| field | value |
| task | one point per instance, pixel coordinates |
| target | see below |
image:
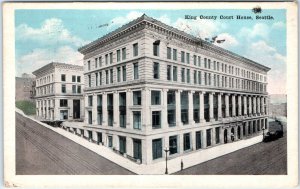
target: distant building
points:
(24, 87)
(149, 86)
(59, 89)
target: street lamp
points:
(166, 150)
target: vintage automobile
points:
(275, 132)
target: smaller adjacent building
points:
(24, 87)
(59, 89)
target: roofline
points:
(144, 18)
(54, 64)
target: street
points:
(41, 151)
(260, 159)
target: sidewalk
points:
(174, 165)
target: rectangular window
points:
(156, 70)
(63, 88)
(100, 76)
(218, 66)
(136, 119)
(119, 74)
(217, 135)
(74, 89)
(205, 63)
(106, 77)
(195, 60)
(63, 77)
(214, 64)
(96, 74)
(173, 146)
(78, 79)
(106, 59)
(174, 73)
(90, 100)
(169, 72)
(199, 77)
(208, 137)
(124, 72)
(169, 50)
(89, 80)
(96, 62)
(122, 144)
(156, 148)
(111, 58)
(137, 98)
(199, 61)
(182, 75)
(118, 55)
(182, 56)
(188, 58)
(135, 71)
(155, 97)
(195, 77)
(135, 49)
(100, 61)
(90, 117)
(156, 48)
(89, 65)
(78, 89)
(63, 103)
(209, 64)
(156, 120)
(73, 78)
(174, 54)
(111, 75)
(188, 77)
(124, 53)
(110, 141)
(186, 141)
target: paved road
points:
(260, 159)
(41, 151)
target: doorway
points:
(76, 109)
(225, 136)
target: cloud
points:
(40, 57)
(121, 20)
(278, 25)
(230, 41)
(164, 19)
(263, 53)
(259, 30)
(200, 28)
(52, 31)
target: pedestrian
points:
(181, 165)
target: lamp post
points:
(166, 150)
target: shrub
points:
(26, 106)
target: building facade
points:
(25, 87)
(59, 92)
(149, 87)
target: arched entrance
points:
(239, 132)
(232, 134)
(225, 136)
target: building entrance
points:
(225, 136)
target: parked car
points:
(275, 132)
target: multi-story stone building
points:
(149, 86)
(59, 92)
(24, 87)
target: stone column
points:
(227, 105)
(181, 150)
(129, 103)
(104, 109)
(116, 142)
(116, 109)
(213, 136)
(129, 146)
(250, 105)
(165, 145)
(211, 107)
(220, 106)
(235, 133)
(191, 110)
(178, 108)
(146, 112)
(147, 151)
(245, 105)
(94, 110)
(164, 111)
(203, 142)
(201, 102)
(193, 140)
(85, 110)
(233, 106)
(56, 110)
(239, 105)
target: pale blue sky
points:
(43, 36)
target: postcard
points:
(150, 94)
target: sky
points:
(44, 36)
